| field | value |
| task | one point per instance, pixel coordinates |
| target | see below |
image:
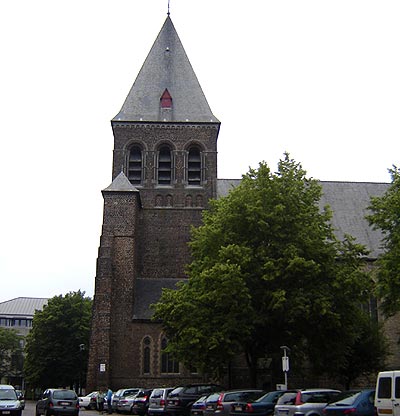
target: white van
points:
(387, 394)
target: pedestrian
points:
(100, 401)
(109, 400)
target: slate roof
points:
(349, 202)
(121, 184)
(166, 67)
(22, 307)
(147, 292)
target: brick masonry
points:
(145, 235)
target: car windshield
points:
(201, 399)
(176, 391)
(156, 394)
(346, 398)
(316, 397)
(287, 398)
(130, 392)
(64, 395)
(8, 394)
(213, 397)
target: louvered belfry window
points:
(164, 166)
(194, 166)
(135, 165)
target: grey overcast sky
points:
(319, 79)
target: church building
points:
(164, 173)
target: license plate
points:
(64, 403)
(283, 411)
(238, 408)
(5, 412)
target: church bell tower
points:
(164, 173)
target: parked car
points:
(199, 406)
(125, 404)
(89, 401)
(180, 399)
(352, 403)
(9, 403)
(58, 402)
(158, 401)
(220, 403)
(141, 402)
(307, 402)
(121, 394)
(263, 405)
(21, 398)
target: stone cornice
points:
(166, 126)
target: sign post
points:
(285, 363)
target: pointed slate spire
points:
(166, 67)
(121, 184)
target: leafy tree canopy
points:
(267, 271)
(9, 345)
(58, 342)
(386, 216)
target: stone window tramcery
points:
(135, 165)
(164, 166)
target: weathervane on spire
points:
(168, 8)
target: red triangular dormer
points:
(166, 99)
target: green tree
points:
(386, 216)
(9, 347)
(56, 346)
(267, 271)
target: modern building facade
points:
(164, 173)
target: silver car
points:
(158, 401)
(306, 402)
(120, 395)
(9, 403)
(60, 402)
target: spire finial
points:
(168, 8)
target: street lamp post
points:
(285, 363)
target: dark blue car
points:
(352, 403)
(264, 406)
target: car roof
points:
(61, 390)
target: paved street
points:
(30, 410)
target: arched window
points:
(146, 355)
(164, 166)
(135, 165)
(194, 166)
(168, 364)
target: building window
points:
(135, 165)
(146, 355)
(194, 166)
(166, 100)
(164, 166)
(168, 363)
